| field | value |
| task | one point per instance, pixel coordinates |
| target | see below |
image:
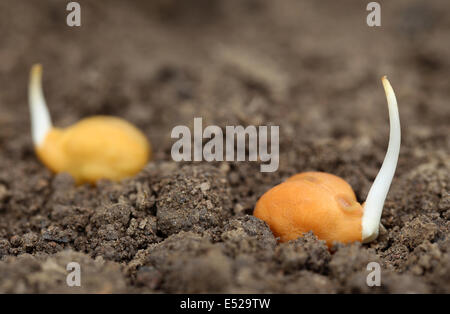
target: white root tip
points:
(373, 207)
(40, 118)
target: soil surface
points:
(311, 67)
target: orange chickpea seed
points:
(326, 204)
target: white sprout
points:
(380, 187)
(40, 118)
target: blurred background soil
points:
(311, 67)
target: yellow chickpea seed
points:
(98, 147)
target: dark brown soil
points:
(311, 67)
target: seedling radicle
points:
(373, 207)
(326, 204)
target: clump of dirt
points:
(189, 262)
(39, 274)
(311, 68)
(194, 198)
(304, 253)
(246, 235)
